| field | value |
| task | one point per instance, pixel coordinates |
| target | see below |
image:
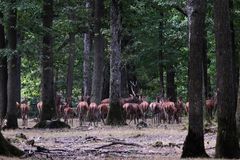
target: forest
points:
(106, 79)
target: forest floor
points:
(164, 141)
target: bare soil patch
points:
(164, 141)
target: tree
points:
(12, 67)
(7, 149)
(115, 115)
(97, 78)
(47, 85)
(194, 142)
(3, 72)
(160, 56)
(71, 58)
(171, 87)
(86, 53)
(227, 145)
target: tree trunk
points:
(12, 69)
(238, 110)
(115, 115)
(47, 85)
(97, 80)
(227, 145)
(6, 149)
(194, 142)
(124, 82)
(87, 54)
(234, 54)
(3, 73)
(160, 56)
(205, 65)
(106, 79)
(18, 80)
(171, 87)
(71, 59)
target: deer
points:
(144, 107)
(179, 106)
(170, 109)
(68, 113)
(158, 111)
(93, 113)
(82, 110)
(103, 111)
(24, 107)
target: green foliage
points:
(142, 23)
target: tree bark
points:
(3, 73)
(194, 142)
(106, 79)
(71, 59)
(98, 53)
(171, 87)
(160, 56)
(87, 54)
(18, 80)
(238, 111)
(227, 145)
(12, 67)
(124, 82)
(47, 83)
(205, 66)
(115, 115)
(6, 149)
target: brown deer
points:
(82, 110)
(93, 114)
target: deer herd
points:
(134, 107)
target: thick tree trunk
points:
(115, 115)
(6, 149)
(47, 84)
(87, 54)
(171, 87)
(97, 80)
(3, 73)
(194, 142)
(12, 69)
(71, 59)
(227, 145)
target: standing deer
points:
(82, 110)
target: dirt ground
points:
(164, 141)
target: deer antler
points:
(131, 86)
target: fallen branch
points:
(115, 143)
